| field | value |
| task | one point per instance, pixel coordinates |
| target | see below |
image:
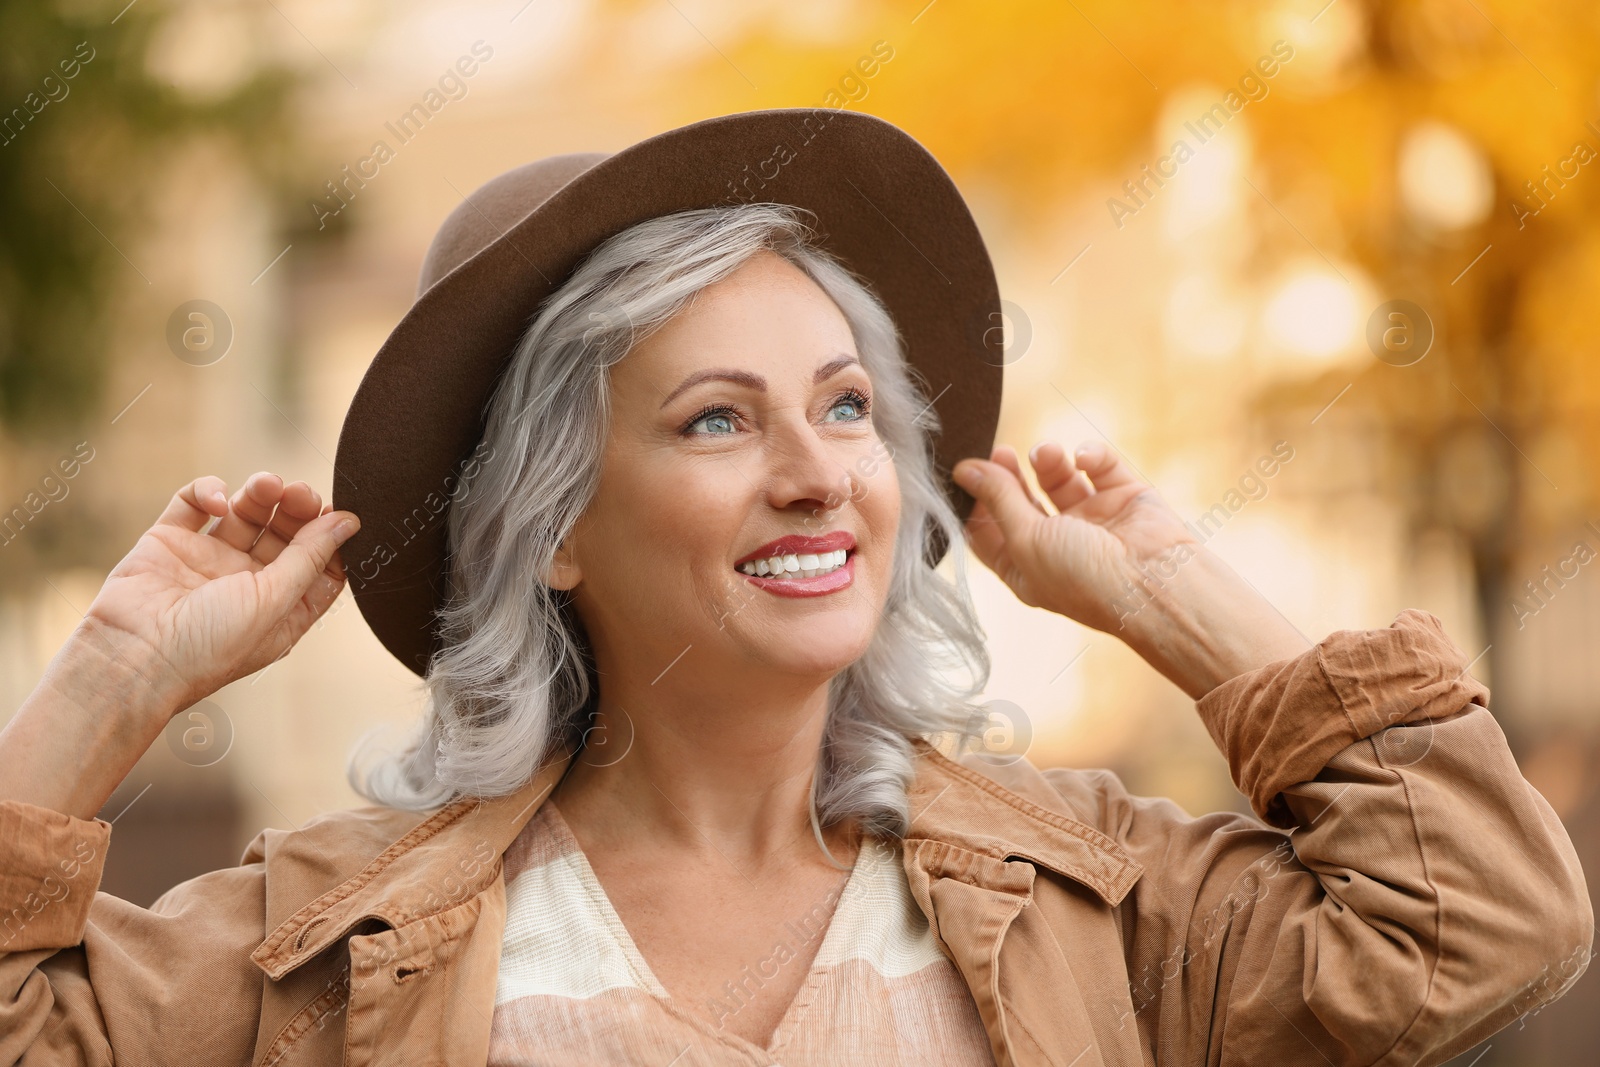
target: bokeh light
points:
(1444, 179)
(1313, 313)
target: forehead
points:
(767, 316)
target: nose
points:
(804, 472)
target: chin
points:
(820, 650)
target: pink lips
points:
(794, 544)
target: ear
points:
(563, 572)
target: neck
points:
(729, 776)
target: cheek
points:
(674, 517)
(878, 499)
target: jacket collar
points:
(416, 876)
(951, 805)
(963, 808)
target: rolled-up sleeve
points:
(50, 867)
(1411, 895)
(86, 978)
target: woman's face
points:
(742, 421)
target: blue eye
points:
(712, 423)
(853, 397)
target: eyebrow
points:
(832, 367)
(756, 381)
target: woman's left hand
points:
(1095, 559)
(1113, 550)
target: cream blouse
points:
(574, 989)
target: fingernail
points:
(1033, 453)
(346, 528)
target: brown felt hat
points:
(883, 205)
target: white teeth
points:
(797, 566)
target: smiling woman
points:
(709, 414)
(693, 783)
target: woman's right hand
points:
(205, 609)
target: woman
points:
(680, 796)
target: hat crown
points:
(885, 206)
(495, 207)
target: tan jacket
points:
(1423, 897)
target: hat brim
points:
(883, 205)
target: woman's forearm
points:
(94, 712)
(1207, 624)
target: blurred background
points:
(1345, 243)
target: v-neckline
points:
(793, 1012)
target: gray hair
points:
(513, 678)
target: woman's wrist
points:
(1207, 624)
(97, 708)
(106, 668)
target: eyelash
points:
(862, 400)
(856, 396)
(704, 413)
